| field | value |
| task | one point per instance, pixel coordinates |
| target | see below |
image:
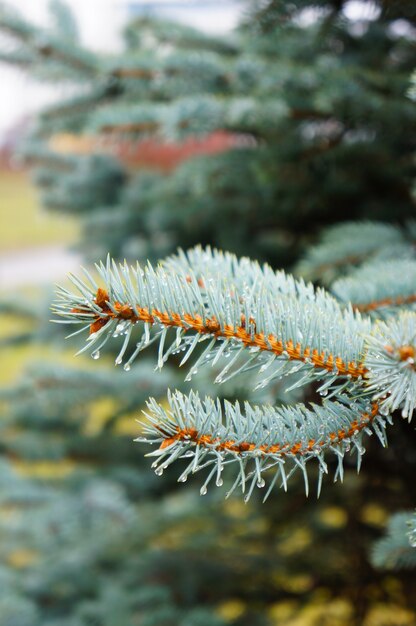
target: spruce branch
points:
(397, 549)
(348, 244)
(79, 104)
(148, 32)
(259, 320)
(47, 46)
(19, 58)
(239, 307)
(379, 287)
(256, 439)
(192, 115)
(36, 154)
(391, 360)
(65, 22)
(412, 530)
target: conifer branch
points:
(386, 303)
(162, 31)
(261, 320)
(412, 530)
(45, 45)
(242, 306)
(193, 115)
(38, 155)
(256, 439)
(379, 287)
(397, 549)
(79, 104)
(349, 244)
(391, 361)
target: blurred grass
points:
(23, 224)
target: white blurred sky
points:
(100, 23)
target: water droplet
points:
(219, 482)
(203, 490)
(159, 471)
(261, 483)
(127, 367)
(96, 355)
(182, 479)
(119, 360)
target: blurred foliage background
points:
(253, 142)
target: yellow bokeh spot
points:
(282, 611)
(11, 325)
(298, 583)
(333, 517)
(44, 469)
(337, 612)
(373, 514)
(389, 615)
(97, 415)
(393, 587)
(236, 508)
(21, 558)
(18, 356)
(230, 610)
(67, 143)
(127, 425)
(297, 541)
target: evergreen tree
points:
(313, 109)
(311, 98)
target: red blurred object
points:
(150, 153)
(164, 156)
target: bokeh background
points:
(89, 536)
